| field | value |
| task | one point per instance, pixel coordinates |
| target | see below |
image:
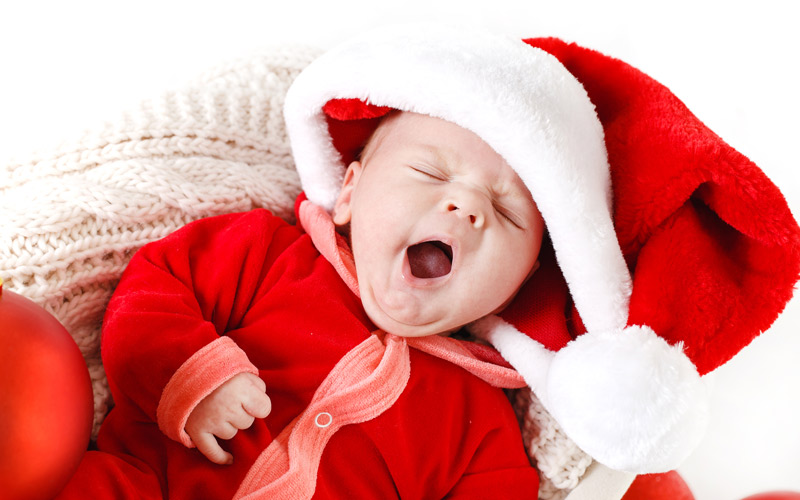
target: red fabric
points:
(711, 243)
(101, 475)
(543, 304)
(261, 282)
(350, 124)
(353, 109)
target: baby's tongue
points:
(428, 260)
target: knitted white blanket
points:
(70, 220)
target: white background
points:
(71, 65)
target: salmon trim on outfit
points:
(356, 390)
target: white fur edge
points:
(530, 358)
(627, 398)
(488, 84)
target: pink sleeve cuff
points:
(206, 370)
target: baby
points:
(433, 212)
(251, 358)
(224, 335)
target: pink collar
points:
(482, 361)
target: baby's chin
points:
(407, 327)
(414, 331)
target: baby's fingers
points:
(257, 404)
(207, 445)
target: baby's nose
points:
(469, 207)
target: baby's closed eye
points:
(431, 173)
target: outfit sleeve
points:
(164, 343)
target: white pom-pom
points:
(629, 399)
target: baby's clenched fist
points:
(232, 406)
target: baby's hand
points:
(232, 406)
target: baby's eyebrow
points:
(509, 191)
(438, 152)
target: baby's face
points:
(443, 231)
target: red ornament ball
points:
(776, 495)
(46, 402)
(665, 486)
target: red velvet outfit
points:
(262, 283)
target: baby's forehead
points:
(445, 144)
(425, 133)
(402, 120)
(394, 125)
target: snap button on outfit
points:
(326, 421)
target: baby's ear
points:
(342, 212)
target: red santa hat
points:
(668, 250)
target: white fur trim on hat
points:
(627, 398)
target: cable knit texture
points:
(71, 219)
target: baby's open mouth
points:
(430, 259)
